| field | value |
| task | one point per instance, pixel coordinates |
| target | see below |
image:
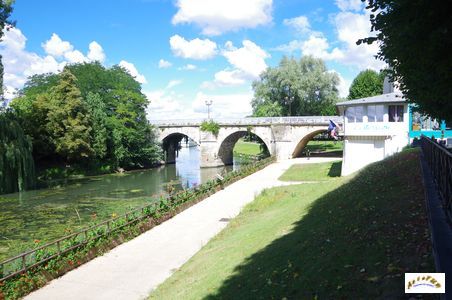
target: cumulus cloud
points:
(247, 63)
(194, 49)
(301, 24)
(19, 63)
(96, 52)
(220, 16)
(166, 105)
(163, 64)
(224, 106)
(132, 71)
(55, 46)
(318, 46)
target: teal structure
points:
(441, 133)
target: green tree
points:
(98, 119)
(68, 120)
(366, 84)
(6, 8)
(296, 87)
(16, 161)
(415, 39)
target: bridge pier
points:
(171, 152)
(209, 151)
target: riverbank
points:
(133, 269)
(338, 238)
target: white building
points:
(374, 128)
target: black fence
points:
(439, 160)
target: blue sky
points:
(186, 51)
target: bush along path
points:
(25, 273)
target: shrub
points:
(210, 126)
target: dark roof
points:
(384, 98)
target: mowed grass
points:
(247, 148)
(325, 146)
(348, 238)
(313, 172)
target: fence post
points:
(59, 248)
(24, 263)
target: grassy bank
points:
(325, 146)
(312, 172)
(247, 148)
(346, 238)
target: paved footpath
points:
(133, 269)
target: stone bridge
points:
(285, 137)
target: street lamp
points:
(208, 103)
(289, 99)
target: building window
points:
(354, 114)
(395, 113)
(375, 113)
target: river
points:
(34, 217)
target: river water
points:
(34, 217)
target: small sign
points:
(425, 283)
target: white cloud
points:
(75, 57)
(318, 47)
(220, 16)
(163, 64)
(133, 71)
(19, 63)
(344, 84)
(173, 83)
(188, 67)
(345, 5)
(224, 106)
(167, 105)
(250, 58)
(55, 46)
(194, 49)
(96, 52)
(301, 24)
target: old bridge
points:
(285, 137)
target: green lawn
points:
(325, 146)
(247, 148)
(312, 172)
(347, 238)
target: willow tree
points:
(16, 161)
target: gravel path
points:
(133, 269)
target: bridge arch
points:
(225, 150)
(171, 145)
(304, 141)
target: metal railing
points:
(309, 120)
(439, 159)
(30, 259)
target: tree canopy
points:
(415, 39)
(296, 88)
(88, 114)
(6, 8)
(366, 84)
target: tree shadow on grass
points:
(355, 242)
(335, 169)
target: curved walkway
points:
(133, 269)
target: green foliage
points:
(68, 120)
(296, 87)
(210, 126)
(104, 123)
(99, 239)
(6, 8)
(16, 161)
(366, 84)
(415, 39)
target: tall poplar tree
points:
(68, 120)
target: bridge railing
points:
(252, 121)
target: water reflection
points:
(47, 214)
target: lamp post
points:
(289, 99)
(208, 103)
